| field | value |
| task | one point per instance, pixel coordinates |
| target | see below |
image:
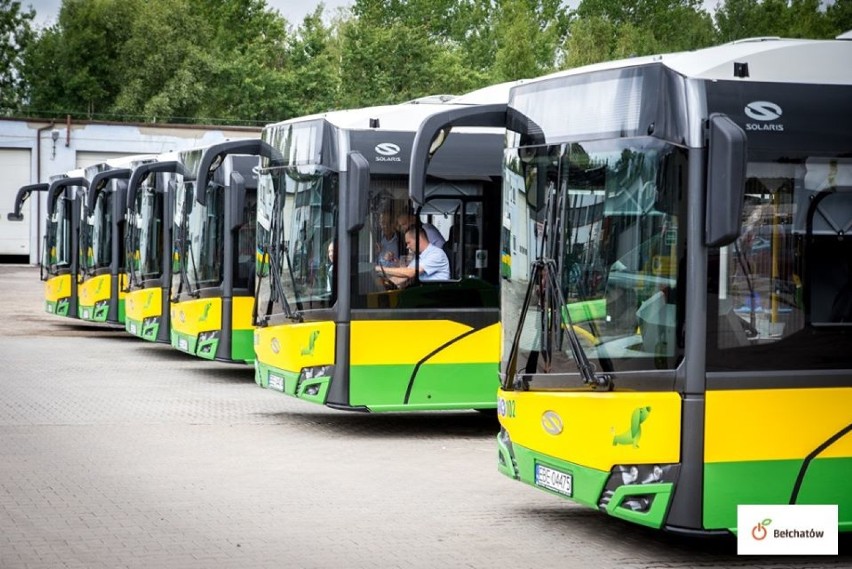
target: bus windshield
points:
(57, 253)
(297, 222)
(204, 245)
(85, 260)
(608, 215)
(781, 294)
(184, 198)
(145, 235)
(100, 232)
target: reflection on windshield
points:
(205, 240)
(607, 213)
(297, 220)
(58, 251)
(183, 195)
(145, 235)
(99, 248)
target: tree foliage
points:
(15, 35)
(604, 30)
(237, 60)
(738, 19)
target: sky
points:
(293, 10)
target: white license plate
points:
(183, 344)
(555, 480)
(276, 382)
(133, 329)
(85, 314)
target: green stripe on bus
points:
(727, 484)
(444, 386)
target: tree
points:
(313, 66)
(530, 33)
(72, 66)
(213, 61)
(165, 63)
(839, 16)
(614, 29)
(384, 65)
(15, 36)
(738, 19)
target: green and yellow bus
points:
(212, 289)
(679, 345)
(60, 259)
(331, 329)
(149, 250)
(103, 270)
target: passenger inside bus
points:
(389, 241)
(407, 221)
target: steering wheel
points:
(386, 280)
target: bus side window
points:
(831, 282)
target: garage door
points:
(85, 159)
(14, 235)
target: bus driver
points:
(433, 264)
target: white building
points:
(33, 150)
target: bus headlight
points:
(637, 475)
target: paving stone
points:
(118, 453)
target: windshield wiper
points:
(586, 367)
(555, 315)
(275, 283)
(191, 259)
(184, 280)
(296, 314)
(129, 257)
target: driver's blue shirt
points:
(434, 265)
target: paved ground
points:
(119, 453)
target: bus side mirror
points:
(237, 197)
(726, 175)
(23, 193)
(357, 187)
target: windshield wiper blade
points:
(295, 287)
(544, 271)
(586, 368)
(275, 282)
(191, 258)
(184, 280)
(129, 258)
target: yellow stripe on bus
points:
(243, 312)
(775, 424)
(393, 342)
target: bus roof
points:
(405, 116)
(772, 60)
